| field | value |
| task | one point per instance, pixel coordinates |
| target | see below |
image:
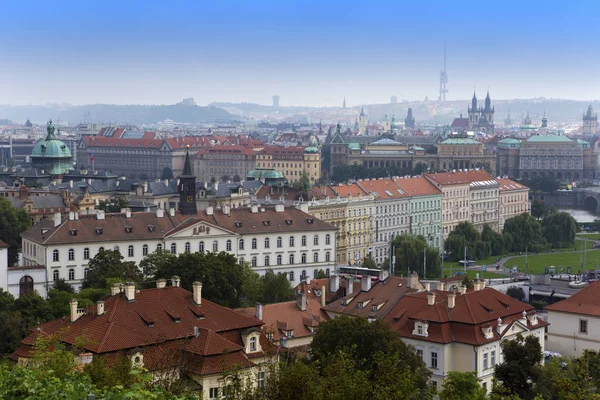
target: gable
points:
(200, 229)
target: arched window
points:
(173, 248)
(130, 251)
(25, 285)
(316, 240)
(241, 244)
(279, 242)
(291, 276)
(315, 273)
(303, 275)
(55, 275)
(228, 245)
(291, 259)
(303, 258)
(85, 273)
(159, 247)
(327, 257)
(86, 253)
(291, 241)
(254, 244)
(267, 261)
(71, 254)
(241, 260)
(279, 260)
(188, 247)
(267, 243)
(71, 274)
(145, 250)
(254, 261)
(100, 249)
(327, 272)
(55, 255)
(201, 247)
(316, 257)
(215, 246)
(303, 240)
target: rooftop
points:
(549, 139)
(586, 302)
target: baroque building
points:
(52, 155)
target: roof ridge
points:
(469, 309)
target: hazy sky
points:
(308, 52)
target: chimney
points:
(226, 210)
(166, 182)
(197, 289)
(23, 193)
(323, 296)
(441, 286)
(99, 308)
(216, 186)
(279, 208)
(71, 215)
(334, 283)
(100, 215)
(307, 280)
(254, 209)
(161, 283)
(175, 281)
(160, 213)
(172, 212)
(365, 283)
(57, 219)
(524, 317)
(349, 286)
(115, 289)
(451, 300)
(430, 298)
(128, 213)
(463, 289)
(259, 311)
(75, 312)
(427, 286)
(476, 285)
(209, 210)
(130, 291)
(145, 186)
(413, 280)
(71, 183)
(499, 327)
(76, 215)
(301, 301)
(383, 275)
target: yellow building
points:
(291, 161)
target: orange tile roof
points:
(419, 186)
(3, 244)
(148, 141)
(382, 189)
(461, 177)
(586, 302)
(346, 189)
(508, 185)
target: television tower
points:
(443, 80)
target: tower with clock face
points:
(187, 188)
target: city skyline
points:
(310, 54)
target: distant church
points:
(590, 121)
(481, 118)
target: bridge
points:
(588, 198)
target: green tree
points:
(13, 222)
(464, 235)
(520, 368)
(525, 233)
(167, 173)
(410, 250)
(462, 386)
(516, 292)
(34, 310)
(108, 266)
(114, 205)
(369, 263)
(103, 376)
(495, 241)
(303, 183)
(538, 209)
(160, 259)
(276, 288)
(559, 229)
(566, 379)
(63, 286)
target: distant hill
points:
(118, 114)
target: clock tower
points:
(187, 188)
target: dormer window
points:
(310, 220)
(266, 223)
(253, 344)
(421, 329)
(151, 228)
(128, 229)
(289, 221)
(73, 232)
(289, 334)
(488, 332)
(238, 224)
(99, 230)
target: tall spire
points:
(187, 165)
(187, 187)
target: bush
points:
(516, 293)
(539, 304)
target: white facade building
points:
(285, 240)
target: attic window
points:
(151, 228)
(266, 223)
(175, 317)
(374, 308)
(199, 314)
(270, 335)
(421, 329)
(73, 232)
(44, 231)
(489, 310)
(289, 333)
(99, 230)
(147, 318)
(310, 220)
(487, 332)
(238, 224)
(289, 221)
(128, 229)
(505, 305)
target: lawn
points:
(538, 263)
(591, 236)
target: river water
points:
(581, 215)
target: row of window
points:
(70, 274)
(291, 259)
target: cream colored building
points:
(514, 200)
(291, 161)
(575, 323)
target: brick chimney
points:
(161, 283)
(175, 281)
(430, 298)
(99, 308)
(301, 301)
(197, 290)
(451, 300)
(365, 283)
(334, 283)
(259, 311)
(130, 291)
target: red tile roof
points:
(147, 141)
(344, 190)
(382, 189)
(418, 186)
(3, 244)
(586, 302)
(508, 185)
(461, 177)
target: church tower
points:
(187, 187)
(409, 121)
(473, 112)
(544, 121)
(590, 120)
(362, 122)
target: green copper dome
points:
(51, 147)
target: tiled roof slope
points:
(585, 302)
(461, 177)
(508, 184)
